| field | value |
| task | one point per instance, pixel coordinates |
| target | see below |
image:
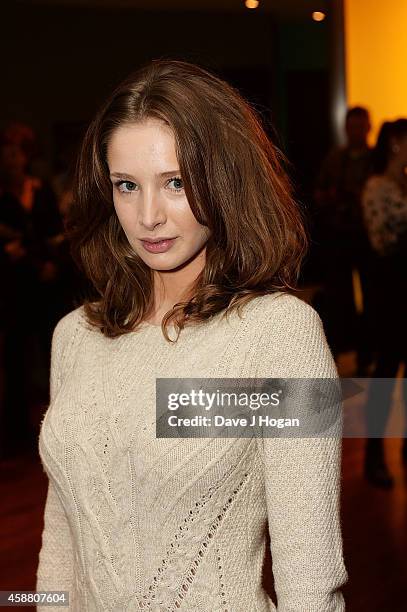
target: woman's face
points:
(149, 196)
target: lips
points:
(155, 240)
(159, 246)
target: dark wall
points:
(61, 62)
(303, 75)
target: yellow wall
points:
(376, 58)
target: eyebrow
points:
(123, 175)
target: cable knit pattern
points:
(133, 522)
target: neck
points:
(173, 286)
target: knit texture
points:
(133, 522)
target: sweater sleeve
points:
(55, 566)
(302, 476)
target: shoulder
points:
(378, 186)
(291, 333)
(73, 319)
(284, 309)
(376, 181)
(69, 329)
(67, 338)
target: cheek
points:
(124, 215)
(199, 234)
(195, 230)
(185, 217)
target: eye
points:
(125, 186)
(178, 183)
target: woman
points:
(384, 205)
(182, 213)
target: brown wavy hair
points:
(235, 183)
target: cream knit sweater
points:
(133, 522)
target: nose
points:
(152, 209)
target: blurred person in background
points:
(70, 286)
(384, 205)
(342, 240)
(37, 163)
(29, 216)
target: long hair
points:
(235, 185)
(382, 151)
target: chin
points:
(163, 267)
(165, 263)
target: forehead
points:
(151, 138)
